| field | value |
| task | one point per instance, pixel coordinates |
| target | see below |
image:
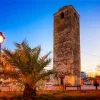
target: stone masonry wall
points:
(67, 43)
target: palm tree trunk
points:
(29, 93)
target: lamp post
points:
(2, 38)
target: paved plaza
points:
(83, 87)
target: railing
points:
(78, 87)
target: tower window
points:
(62, 15)
(75, 15)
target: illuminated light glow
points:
(1, 39)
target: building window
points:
(62, 15)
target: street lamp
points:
(2, 38)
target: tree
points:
(97, 71)
(98, 68)
(29, 64)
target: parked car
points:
(87, 83)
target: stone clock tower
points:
(67, 46)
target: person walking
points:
(96, 84)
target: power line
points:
(90, 54)
(89, 69)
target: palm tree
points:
(29, 64)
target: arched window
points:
(62, 15)
(75, 15)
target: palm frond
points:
(18, 46)
(37, 53)
(43, 64)
(42, 76)
(28, 61)
(45, 57)
(14, 60)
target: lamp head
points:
(2, 38)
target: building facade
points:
(67, 46)
(83, 75)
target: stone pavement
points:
(83, 87)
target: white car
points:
(87, 83)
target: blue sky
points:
(33, 20)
